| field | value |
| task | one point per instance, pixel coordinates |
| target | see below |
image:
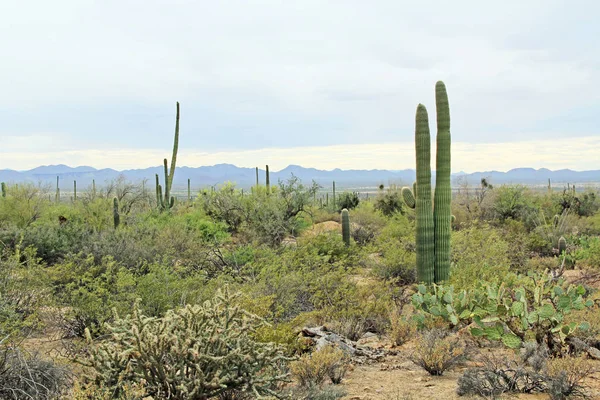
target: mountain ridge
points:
(245, 176)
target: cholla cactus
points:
(196, 352)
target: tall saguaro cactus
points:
(3, 189)
(442, 200)
(116, 216)
(424, 220)
(433, 221)
(268, 180)
(346, 227)
(74, 190)
(167, 202)
(57, 195)
(334, 204)
(256, 176)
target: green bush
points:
(479, 253)
(196, 352)
(347, 200)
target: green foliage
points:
(348, 200)
(25, 205)
(510, 202)
(480, 253)
(195, 352)
(588, 252)
(3, 185)
(388, 203)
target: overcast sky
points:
(322, 84)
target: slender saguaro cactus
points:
(334, 204)
(268, 180)
(424, 213)
(94, 188)
(116, 216)
(57, 195)
(346, 227)
(256, 176)
(168, 201)
(74, 190)
(189, 191)
(442, 214)
(3, 189)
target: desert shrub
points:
(25, 376)
(479, 253)
(396, 245)
(436, 352)
(353, 310)
(328, 392)
(24, 204)
(225, 205)
(509, 202)
(24, 290)
(195, 352)
(389, 203)
(397, 263)
(311, 370)
(565, 377)
(54, 241)
(366, 223)
(348, 201)
(588, 254)
(498, 375)
(402, 329)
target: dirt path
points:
(397, 378)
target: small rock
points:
(593, 352)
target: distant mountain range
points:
(246, 177)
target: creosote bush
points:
(195, 352)
(25, 376)
(565, 377)
(311, 370)
(402, 329)
(437, 351)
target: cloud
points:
(578, 153)
(266, 73)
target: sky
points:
(324, 84)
